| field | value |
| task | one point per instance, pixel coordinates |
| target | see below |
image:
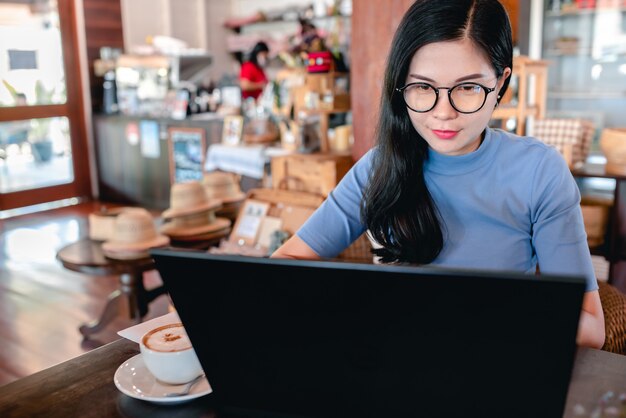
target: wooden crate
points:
(312, 173)
(293, 208)
(287, 210)
(320, 82)
(613, 145)
(596, 217)
(336, 102)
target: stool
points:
(86, 256)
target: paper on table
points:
(135, 332)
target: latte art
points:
(167, 338)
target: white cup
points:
(169, 355)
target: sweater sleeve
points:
(337, 222)
(558, 231)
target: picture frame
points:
(232, 130)
(269, 225)
(187, 148)
(249, 221)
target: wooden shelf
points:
(320, 83)
(508, 111)
(289, 22)
(521, 109)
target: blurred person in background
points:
(252, 78)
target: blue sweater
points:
(509, 205)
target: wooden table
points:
(615, 251)
(83, 387)
(86, 256)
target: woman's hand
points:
(295, 248)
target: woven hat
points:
(223, 186)
(612, 143)
(134, 231)
(195, 224)
(126, 255)
(189, 198)
(101, 223)
(209, 236)
(230, 210)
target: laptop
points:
(328, 338)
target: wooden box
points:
(312, 173)
(596, 216)
(322, 92)
(320, 82)
(339, 102)
(267, 210)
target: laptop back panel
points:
(339, 339)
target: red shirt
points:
(254, 73)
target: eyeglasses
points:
(464, 97)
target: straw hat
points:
(196, 224)
(612, 143)
(210, 236)
(188, 199)
(230, 210)
(101, 223)
(126, 255)
(134, 232)
(223, 186)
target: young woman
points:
(440, 187)
(252, 78)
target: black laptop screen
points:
(339, 339)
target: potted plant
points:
(39, 134)
(40, 140)
(39, 130)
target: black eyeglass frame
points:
(436, 89)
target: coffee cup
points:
(168, 354)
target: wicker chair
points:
(360, 251)
(614, 307)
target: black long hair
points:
(397, 207)
(258, 48)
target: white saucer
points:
(133, 379)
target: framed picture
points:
(187, 147)
(269, 225)
(249, 221)
(233, 128)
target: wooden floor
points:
(41, 303)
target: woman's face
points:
(261, 58)
(446, 64)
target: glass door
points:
(586, 43)
(42, 123)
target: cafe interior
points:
(130, 125)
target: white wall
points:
(142, 18)
(182, 19)
(217, 11)
(187, 22)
